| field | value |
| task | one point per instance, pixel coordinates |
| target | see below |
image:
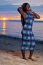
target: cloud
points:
(6, 2)
(3, 2)
(16, 2)
(12, 2)
(32, 2)
(19, 2)
(36, 2)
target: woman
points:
(27, 18)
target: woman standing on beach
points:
(27, 18)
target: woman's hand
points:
(35, 15)
(21, 11)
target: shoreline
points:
(8, 43)
(14, 37)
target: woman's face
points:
(28, 7)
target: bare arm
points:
(35, 15)
(21, 11)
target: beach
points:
(10, 53)
(10, 33)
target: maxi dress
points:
(28, 40)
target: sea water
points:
(14, 27)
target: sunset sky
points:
(19, 2)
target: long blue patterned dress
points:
(28, 40)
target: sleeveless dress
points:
(28, 40)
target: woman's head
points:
(26, 7)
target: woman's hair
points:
(24, 6)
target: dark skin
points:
(35, 16)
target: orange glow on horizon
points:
(10, 18)
(16, 18)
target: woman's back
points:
(28, 21)
(22, 21)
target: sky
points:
(18, 2)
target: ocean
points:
(14, 27)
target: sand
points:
(8, 58)
(10, 53)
